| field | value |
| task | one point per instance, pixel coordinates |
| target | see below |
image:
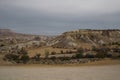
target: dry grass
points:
(106, 61)
(42, 50)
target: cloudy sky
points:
(56, 16)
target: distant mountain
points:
(10, 33)
(85, 38)
(4, 33)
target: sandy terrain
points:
(106, 72)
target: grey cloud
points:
(67, 6)
(54, 17)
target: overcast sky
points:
(53, 17)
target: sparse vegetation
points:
(80, 49)
(24, 58)
(11, 57)
(20, 57)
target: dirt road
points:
(110, 72)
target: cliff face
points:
(86, 38)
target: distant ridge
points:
(11, 33)
(86, 38)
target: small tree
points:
(61, 52)
(37, 57)
(46, 53)
(24, 55)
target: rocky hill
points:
(9, 37)
(86, 38)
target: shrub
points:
(20, 56)
(73, 57)
(79, 55)
(94, 48)
(89, 56)
(1, 45)
(53, 58)
(64, 58)
(24, 58)
(100, 55)
(108, 55)
(37, 57)
(11, 57)
(102, 52)
(53, 53)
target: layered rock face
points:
(86, 38)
